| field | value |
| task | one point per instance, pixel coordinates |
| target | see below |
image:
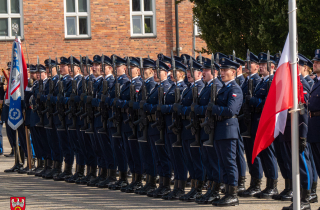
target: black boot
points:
(11, 153)
(48, 169)
(65, 174)
(149, 187)
(211, 195)
(253, 189)
(304, 203)
(137, 184)
(55, 171)
(173, 192)
(241, 184)
(193, 185)
(87, 177)
(124, 189)
(196, 192)
(145, 177)
(287, 188)
(24, 170)
(78, 175)
(40, 165)
(111, 179)
(102, 176)
(122, 182)
(76, 171)
(150, 194)
(223, 188)
(289, 194)
(39, 173)
(271, 189)
(230, 199)
(165, 190)
(313, 195)
(177, 192)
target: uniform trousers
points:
(66, 149)
(306, 175)
(85, 143)
(161, 154)
(227, 151)
(21, 137)
(107, 150)
(117, 144)
(97, 149)
(211, 163)
(316, 155)
(53, 141)
(75, 145)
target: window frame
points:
(9, 16)
(77, 14)
(196, 29)
(143, 14)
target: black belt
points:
(222, 118)
(314, 114)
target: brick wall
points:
(110, 31)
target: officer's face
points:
(38, 76)
(121, 70)
(135, 71)
(107, 70)
(64, 69)
(301, 69)
(33, 75)
(148, 72)
(163, 75)
(70, 71)
(43, 75)
(171, 76)
(207, 76)
(96, 69)
(190, 78)
(227, 74)
(263, 69)
(254, 67)
(155, 76)
(316, 67)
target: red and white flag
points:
(279, 100)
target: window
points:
(77, 19)
(197, 29)
(142, 18)
(10, 13)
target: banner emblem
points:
(18, 203)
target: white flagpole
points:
(294, 114)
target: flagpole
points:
(294, 114)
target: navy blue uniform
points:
(145, 147)
(161, 155)
(131, 148)
(104, 141)
(309, 80)
(241, 79)
(209, 155)
(52, 136)
(117, 142)
(227, 133)
(255, 169)
(176, 153)
(192, 154)
(306, 175)
(63, 136)
(266, 160)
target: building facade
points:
(88, 27)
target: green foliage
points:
(258, 25)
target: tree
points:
(257, 25)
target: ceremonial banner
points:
(18, 80)
(279, 100)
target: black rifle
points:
(234, 59)
(117, 116)
(49, 106)
(194, 119)
(176, 126)
(247, 111)
(210, 120)
(132, 114)
(143, 120)
(71, 113)
(159, 116)
(60, 106)
(82, 104)
(103, 108)
(89, 112)
(40, 106)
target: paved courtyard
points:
(48, 194)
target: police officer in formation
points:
(176, 114)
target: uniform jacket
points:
(313, 106)
(309, 80)
(303, 119)
(229, 101)
(256, 79)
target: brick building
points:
(88, 27)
